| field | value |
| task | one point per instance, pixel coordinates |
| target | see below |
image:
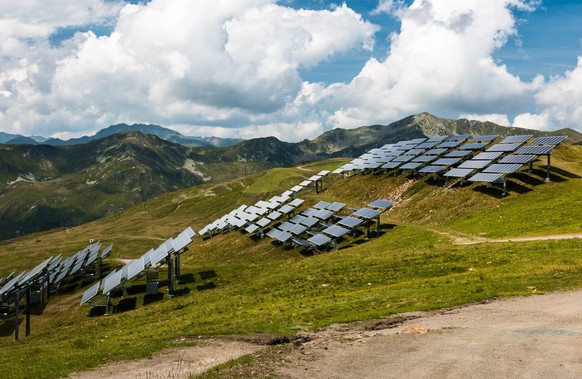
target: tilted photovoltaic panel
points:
(485, 177)
(414, 151)
(425, 158)
(107, 251)
(296, 202)
(458, 154)
(411, 165)
(403, 158)
(297, 229)
(90, 293)
(488, 156)
(517, 139)
(111, 281)
(436, 139)
(323, 214)
(181, 241)
(449, 144)
(504, 147)
(381, 204)
(37, 270)
(549, 140)
(134, 268)
(436, 151)
(427, 145)
(391, 165)
(263, 222)
(432, 169)
(523, 159)
(484, 138)
(537, 150)
(459, 137)
(158, 255)
(336, 231)
(286, 209)
(366, 213)
(319, 240)
(459, 172)
(285, 226)
(475, 164)
(446, 161)
(350, 222)
(502, 168)
(321, 204)
(274, 215)
(297, 219)
(473, 146)
(309, 212)
(336, 206)
(251, 228)
(309, 221)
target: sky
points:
(289, 69)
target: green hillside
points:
(235, 285)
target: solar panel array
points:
(322, 225)
(254, 218)
(45, 278)
(466, 157)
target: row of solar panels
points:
(50, 273)
(457, 156)
(313, 223)
(151, 259)
(263, 210)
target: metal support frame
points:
(27, 327)
(548, 169)
(170, 277)
(16, 320)
(504, 186)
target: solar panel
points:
(484, 138)
(549, 140)
(296, 188)
(336, 206)
(321, 204)
(286, 209)
(458, 154)
(414, 151)
(181, 241)
(77, 267)
(517, 139)
(158, 255)
(459, 172)
(319, 240)
(350, 222)
(309, 221)
(411, 166)
(37, 270)
(251, 228)
(279, 235)
(473, 146)
(449, 144)
(446, 161)
(381, 204)
(436, 139)
(523, 159)
(391, 165)
(424, 158)
(323, 172)
(489, 156)
(503, 168)
(297, 229)
(111, 281)
(134, 268)
(504, 147)
(285, 226)
(537, 150)
(403, 158)
(147, 261)
(296, 202)
(336, 231)
(436, 151)
(427, 145)
(274, 215)
(431, 169)
(485, 177)
(90, 293)
(315, 178)
(323, 214)
(107, 251)
(338, 170)
(309, 212)
(460, 137)
(305, 183)
(366, 213)
(297, 219)
(474, 164)
(263, 222)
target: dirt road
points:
(534, 337)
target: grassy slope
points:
(240, 286)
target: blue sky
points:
(292, 69)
